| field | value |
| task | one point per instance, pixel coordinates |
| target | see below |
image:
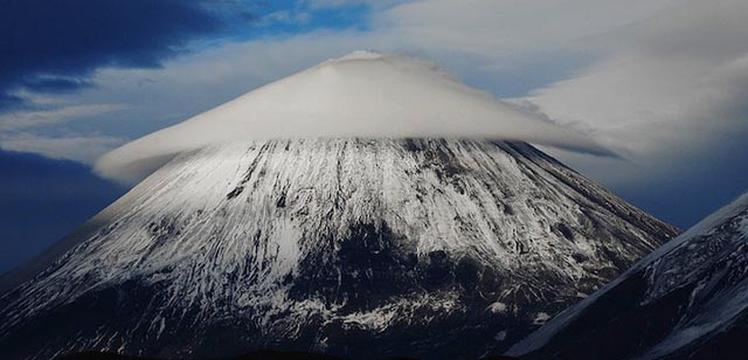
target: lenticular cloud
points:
(363, 94)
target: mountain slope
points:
(353, 247)
(688, 299)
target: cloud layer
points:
(662, 82)
(363, 94)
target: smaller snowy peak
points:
(687, 299)
(363, 94)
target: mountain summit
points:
(361, 247)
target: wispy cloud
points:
(81, 148)
(23, 119)
(668, 89)
(24, 130)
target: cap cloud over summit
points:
(363, 94)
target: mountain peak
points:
(360, 55)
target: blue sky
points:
(663, 83)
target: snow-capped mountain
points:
(687, 300)
(381, 225)
(357, 247)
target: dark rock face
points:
(258, 355)
(425, 248)
(687, 300)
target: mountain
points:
(354, 209)
(352, 247)
(687, 300)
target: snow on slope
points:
(362, 94)
(677, 302)
(358, 247)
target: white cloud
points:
(31, 118)
(285, 17)
(20, 130)
(504, 28)
(363, 94)
(659, 81)
(320, 4)
(669, 90)
(85, 149)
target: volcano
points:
(362, 247)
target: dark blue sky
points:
(52, 46)
(79, 77)
(42, 200)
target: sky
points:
(661, 83)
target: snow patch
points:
(497, 307)
(541, 318)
